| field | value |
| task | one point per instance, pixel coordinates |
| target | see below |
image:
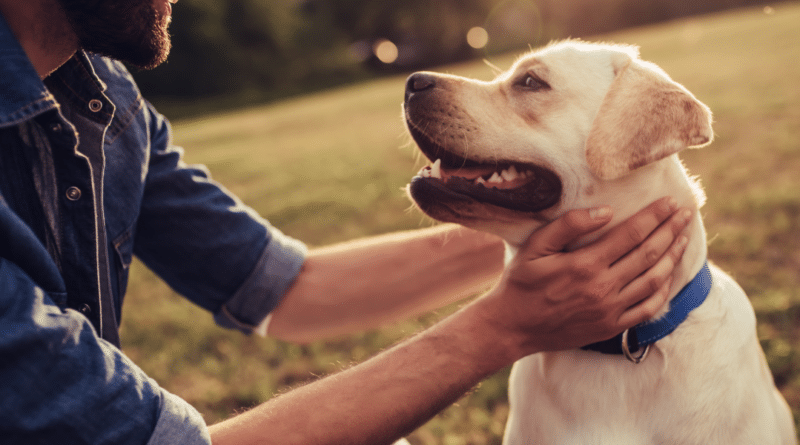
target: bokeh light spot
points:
(477, 37)
(385, 51)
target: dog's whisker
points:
(495, 68)
(466, 148)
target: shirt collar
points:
(22, 93)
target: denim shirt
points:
(89, 177)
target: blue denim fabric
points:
(89, 177)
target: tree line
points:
(278, 48)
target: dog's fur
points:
(608, 126)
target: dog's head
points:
(562, 126)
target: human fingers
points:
(646, 254)
(645, 295)
(561, 232)
(646, 309)
(625, 236)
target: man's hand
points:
(551, 299)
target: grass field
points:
(330, 167)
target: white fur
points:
(707, 382)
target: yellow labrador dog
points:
(577, 125)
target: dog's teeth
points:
(480, 181)
(510, 174)
(495, 178)
(436, 169)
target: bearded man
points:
(89, 177)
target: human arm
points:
(217, 252)
(546, 301)
(201, 239)
(362, 284)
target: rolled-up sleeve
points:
(62, 384)
(276, 269)
(206, 244)
(179, 423)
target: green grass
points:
(331, 166)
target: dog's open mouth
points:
(520, 187)
(452, 177)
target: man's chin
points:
(150, 61)
(145, 57)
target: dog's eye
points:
(533, 83)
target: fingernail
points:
(600, 212)
(672, 204)
(684, 216)
(682, 242)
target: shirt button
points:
(85, 309)
(56, 127)
(95, 105)
(73, 193)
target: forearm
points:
(366, 283)
(383, 398)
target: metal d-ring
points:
(627, 351)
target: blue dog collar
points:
(645, 334)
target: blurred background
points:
(250, 51)
(295, 107)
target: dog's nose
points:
(419, 82)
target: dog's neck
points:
(665, 177)
(662, 178)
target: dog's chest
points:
(578, 397)
(676, 395)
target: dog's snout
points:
(419, 82)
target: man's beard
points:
(132, 31)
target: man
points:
(89, 177)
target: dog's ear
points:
(644, 117)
